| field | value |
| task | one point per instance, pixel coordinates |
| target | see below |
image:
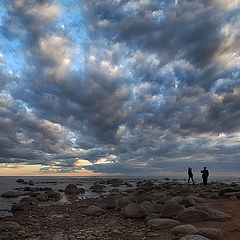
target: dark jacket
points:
(190, 174)
(205, 173)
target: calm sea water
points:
(56, 183)
(59, 183)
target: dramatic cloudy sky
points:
(140, 87)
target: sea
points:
(8, 184)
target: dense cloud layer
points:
(129, 86)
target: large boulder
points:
(216, 215)
(209, 195)
(72, 189)
(18, 207)
(124, 201)
(234, 184)
(134, 210)
(227, 190)
(98, 188)
(107, 202)
(188, 201)
(9, 226)
(233, 198)
(232, 194)
(28, 189)
(42, 197)
(192, 215)
(157, 208)
(148, 206)
(159, 197)
(33, 194)
(142, 196)
(115, 192)
(211, 233)
(171, 208)
(128, 184)
(30, 200)
(198, 199)
(145, 184)
(183, 229)
(81, 190)
(152, 216)
(182, 190)
(10, 195)
(194, 237)
(20, 180)
(53, 195)
(31, 182)
(162, 223)
(94, 210)
(115, 182)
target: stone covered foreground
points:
(152, 210)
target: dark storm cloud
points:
(194, 37)
(157, 82)
(24, 136)
(93, 98)
(191, 30)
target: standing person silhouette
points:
(205, 175)
(190, 175)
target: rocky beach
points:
(148, 209)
